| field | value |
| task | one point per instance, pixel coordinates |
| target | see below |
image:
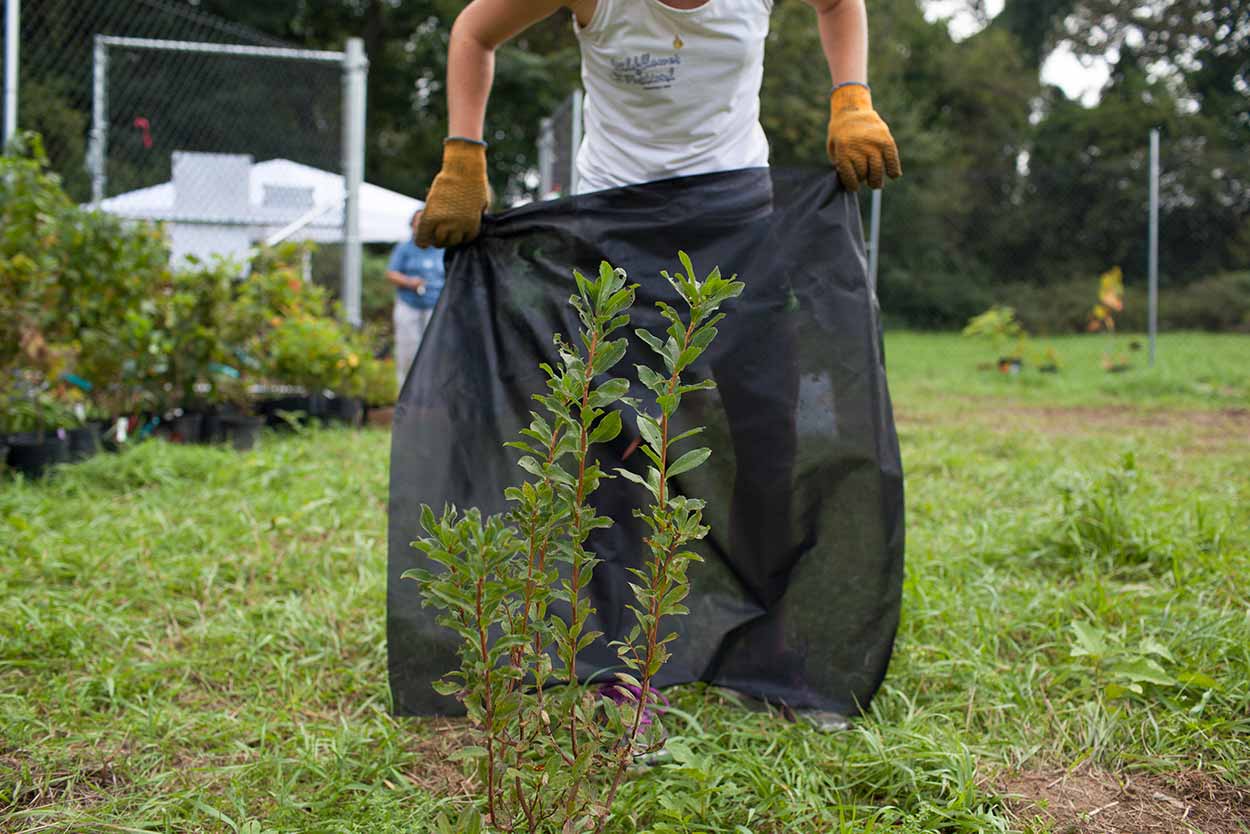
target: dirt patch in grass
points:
(36, 787)
(432, 770)
(1194, 430)
(1094, 801)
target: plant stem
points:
(575, 587)
(488, 707)
(659, 575)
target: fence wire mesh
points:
(558, 139)
(232, 147)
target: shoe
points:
(823, 721)
(622, 694)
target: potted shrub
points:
(35, 426)
(380, 391)
(191, 315)
(294, 341)
(234, 421)
(1006, 335)
(308, 355)
(346, 402)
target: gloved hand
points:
(459, 195)
(860, 145)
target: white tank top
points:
(671, 92)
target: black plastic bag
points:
(798, 599)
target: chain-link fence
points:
(559, 137)
(155, 111)
(56, 84)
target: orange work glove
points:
(459, 195)
(860, 145)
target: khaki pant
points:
(410, 324)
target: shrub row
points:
(96, 323)
(1216, 303)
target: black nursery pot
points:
(241, 430)
(32, 453)
(349, 410)
(306, 406)
(84, 442)
(187, 427)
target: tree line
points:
(1010, 185)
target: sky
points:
(1062, 68)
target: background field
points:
(193, 639)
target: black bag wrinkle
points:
(797, 601)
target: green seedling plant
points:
(1002, 329)
(512, 586)
(1127, 671)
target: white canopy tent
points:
(226, 204)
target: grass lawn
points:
(193, 639)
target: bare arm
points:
(479, 30)
(399, 279)
(844, 35)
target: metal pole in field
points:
(1153, 321)
(12, 41)
(98, 152)
(874, 237)
(355, 69)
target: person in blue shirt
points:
(417, 274)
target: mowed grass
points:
(193, 639)
(1192, 370)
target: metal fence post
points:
(546, 158)
(12, 42)
(1153, 323)
(577, 139)
(874, 238)
(355, 69)
(98, 153)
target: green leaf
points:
(1198, 680)
(1090, 640)
(651, 380)
(650, 431)
(684, 435)
(608, 393)
(532, 466)
(687, 356)
(608, 355)
(651, 454)
(609, 428)
(583, 285)
(1115, 691)
(653, 488)
(1143, 670)
(447, 688)
(654, 343)
(705, 385)
(689, 461)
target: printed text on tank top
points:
(671, 89)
